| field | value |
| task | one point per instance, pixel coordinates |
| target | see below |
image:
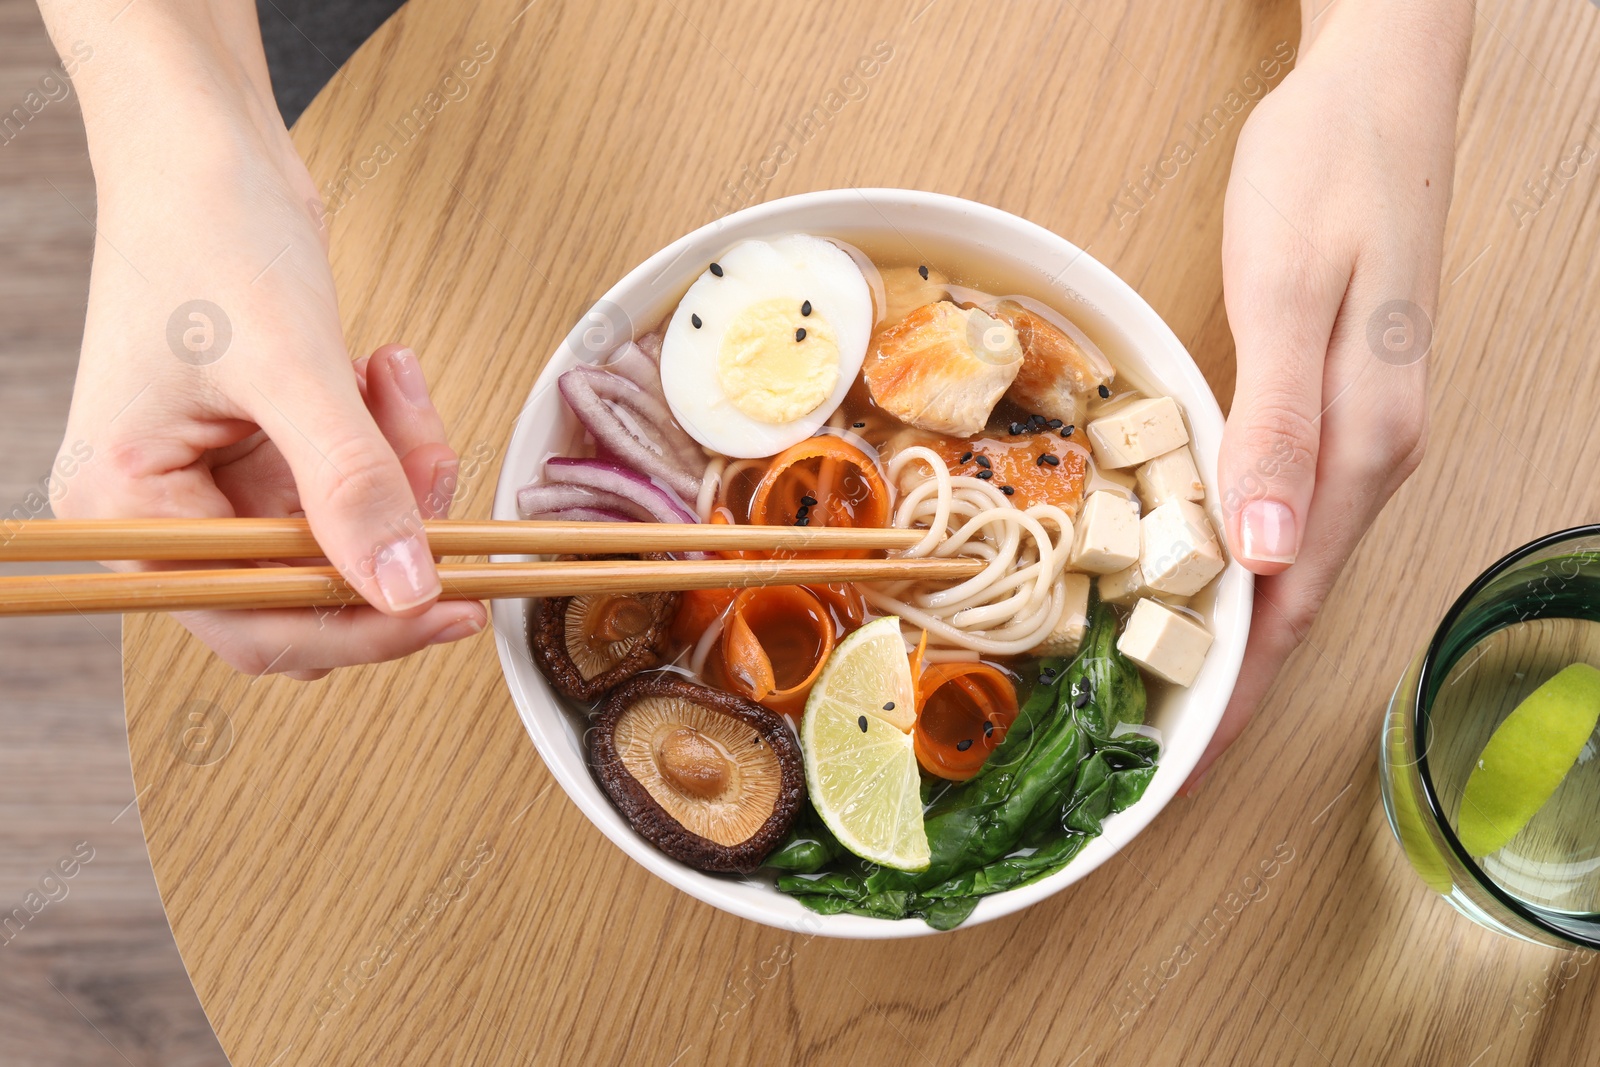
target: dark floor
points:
(307, 40)
(94, 977)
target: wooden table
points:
(311, 860)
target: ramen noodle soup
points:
(893, 749)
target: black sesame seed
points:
(1054, 424)
(696, 320)
(964, 744)
(858, 425)
(1039, 461)
(983, 461)
(716, 268)
(1007, 490)
(862, 722)
(1035, 420)
(1052, 459)
(1016, 428)
(966, 457)
(808, 500)
(803, 521)
(1047, 676)
(1105, 391)
(924, 272)
(1083, 697)
(804, 512)
(1068, 431)
(889, 706)
(986, 475)
(988, 728)
(800, 334)
(805, 309)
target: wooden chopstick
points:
(285, 587)
(208, 539)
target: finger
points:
(1373, 434)
(352, 487)
(1283, 295)
(303, 642)
(257, 481)
(397, 396)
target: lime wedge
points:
(860, 766)
(1527, 757)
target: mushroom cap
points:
(570, 642)
(710, 778)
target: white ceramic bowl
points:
(933, 228)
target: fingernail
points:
(457, 630)
(1194, 787)
(1266, 532)
(405, 574)
(443, 488)
(408, 376)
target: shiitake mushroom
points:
(587, 645)
(711, 779)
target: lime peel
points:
(1527, 758)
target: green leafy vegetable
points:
(1040, 798)
(809, 847)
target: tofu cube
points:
(1137, 432)
(1128, 584)
(1124, 586)
(1067, 636)
(1106, 535)
(1169, 645)
(1178, 552)
(1170, 477)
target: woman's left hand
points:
(1332, 238)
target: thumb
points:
(352, 487)
(1282, 299)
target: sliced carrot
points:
(746, 662)
(844, 599)
(776, 641)
(843, 483)
(698, 609)
(916, 660)
(963, 712)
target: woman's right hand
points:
(214, 379)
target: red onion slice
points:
(547, 500)
(634, 364)
(587, 515)
(582, 389)
(648, 407)
(613, 480)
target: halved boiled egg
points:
(765, 344)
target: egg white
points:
(798, 268)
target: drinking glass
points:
(1525, 618)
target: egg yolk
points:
(776, 364)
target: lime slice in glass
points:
(861, 770)
(1527, 757)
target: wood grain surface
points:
(376, 867)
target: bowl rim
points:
(1169, 361)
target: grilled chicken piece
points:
(943, 368)
(1058, 374)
